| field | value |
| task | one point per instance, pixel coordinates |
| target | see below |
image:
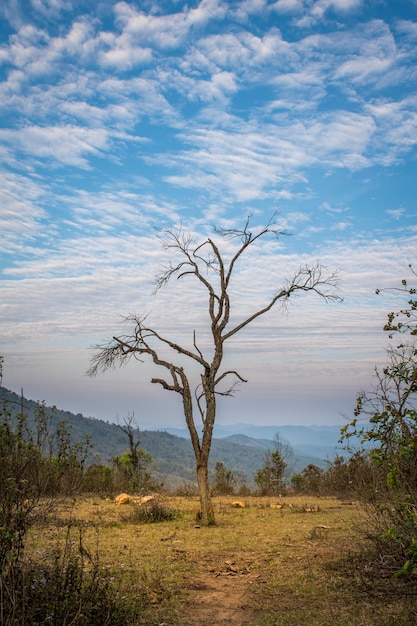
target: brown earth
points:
(219, 594)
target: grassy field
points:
(289, 564)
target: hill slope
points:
(173, 455)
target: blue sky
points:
(117, 118)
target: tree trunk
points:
(206, 505)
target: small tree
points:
(132, 465)
(37, 468)
(207, 265)
(224, 480)
(309, 480)
(390, 432)
(99, 478)
(269, 478)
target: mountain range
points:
(240, 447)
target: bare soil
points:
(219, 596)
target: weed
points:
(65, 585)
(150, 512)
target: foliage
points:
(150, 513)
(20, 462)
(404, 320)
(99, 479)
(67, 585)
(309, 480)
(270, 478)
(128, 478)
(224, 480)
(36, 469)
(390, 431)
(131, 472)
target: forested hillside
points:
(173, 456)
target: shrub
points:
(67, 586)
(386, 421)
(37, 468)
(150, 513)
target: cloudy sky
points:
(119, 118)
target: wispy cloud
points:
(120, 118)
(395, 213)
(21, 214)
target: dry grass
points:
(285, 565)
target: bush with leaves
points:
(66, 585)
(309, 480)
(20, 463)
(224, 480)
(131, 469)
(99, 479)
(37, 468)
(270, 478)
(390, 432)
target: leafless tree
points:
(131, 429)
(207, 265)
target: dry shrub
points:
(66, 585)
(150, 512)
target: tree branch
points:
(306, 279)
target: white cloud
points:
(165, 31)
(395, 213)
(51, 8)
(321, 6)
(124, 57)
(256, 162)
(248, 164)
(288, 6)
(40, 54)
(318, 10)
(141, 33)
(21, 213)
(397, 126)
(67, 145)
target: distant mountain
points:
(316, 442)
(244, 440)
(242, 452)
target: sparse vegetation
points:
(88, 561)
(386, 420)
(154, 511)
(224, 480)
(290, 560)
(270, 478)
(64, 583)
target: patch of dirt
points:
(219, 595)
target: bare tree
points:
(138, 458)
(207, 265)
(131, 430)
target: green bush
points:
(386, 421)
(66, 586)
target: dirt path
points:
(219, 595)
